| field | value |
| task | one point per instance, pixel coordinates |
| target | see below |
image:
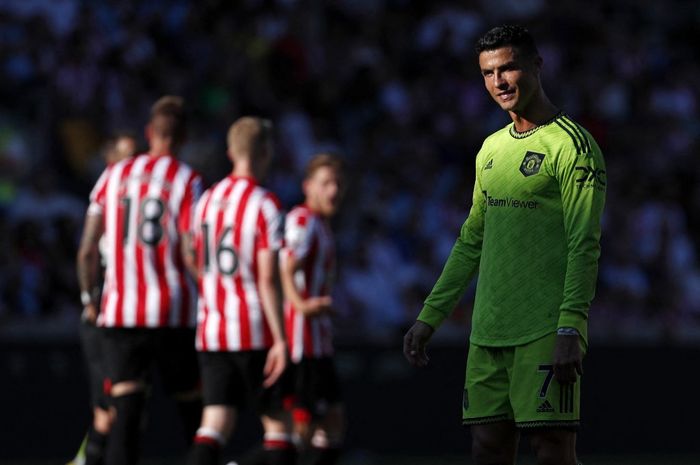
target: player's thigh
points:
(128, 355)
(274, 401)
(554, 445)
(495, 442)
(223, 381)
(177, 362)
(487, 384)
(317, 386)
(91, 338)
(537, 398)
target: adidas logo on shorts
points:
(545, 407)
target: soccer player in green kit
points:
(533, 234)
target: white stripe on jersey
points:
(109, 313)
(248, 251)
(133, 190)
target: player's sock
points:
(191, 415)
(324, 451)
(256, 456)
(279, 449)
(206, 447)
(95, 447)
(123, 445)
(79, 458)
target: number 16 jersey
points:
(146, 204)
(234, 220)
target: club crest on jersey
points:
(531, 163)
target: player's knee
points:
(485, 452)
(554, 448)
(219, 418)
(123, 388)
(102, 420)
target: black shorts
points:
(235, 379)
(91, 338)
(131, 354)
(316, 385)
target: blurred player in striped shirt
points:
(308, 269)
(143, 206)
(240, 333)
(117, 148)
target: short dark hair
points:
(508, 35)
(168, 118)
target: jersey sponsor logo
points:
(591, 178)
(531, 163)
(510, 202)
(489, 165)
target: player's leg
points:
(494, 443)
(128, 358)
(554, 446)
(278, 443)
(327, 439)
(486, 406)
(92, 448)
(548, 411)
(179, 369)
(223, 393)
(213, 433)
(327, 408)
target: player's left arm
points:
(189, 202)
(582, 180)
(88, 263)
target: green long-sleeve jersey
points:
(533, 234)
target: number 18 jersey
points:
(234, 220)
(146, 205)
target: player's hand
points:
(414, 343)
(275, 363)
(89, 314)
(567, 359)
(317, 305)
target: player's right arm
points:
(459, 269)
(270, 240)
(88, 258)
(298, 237)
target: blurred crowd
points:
(390, 85)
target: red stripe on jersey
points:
(199, 247)
(141, 284)
(220, 290)
(238, 279)
(308, 272)
(119, 255)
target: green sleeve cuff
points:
(431, 316)
(574, 319)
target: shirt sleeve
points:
(582, 183)
(270, 220)
(462, 263)
(193, 192)
(99, 194)
(297, 235)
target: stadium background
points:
(392, 86)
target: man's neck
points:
(159, 150)
(534, 115)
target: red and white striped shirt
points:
(146, 203)
(234, 220)
(309, 238)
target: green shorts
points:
(517, 384)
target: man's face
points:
(511, 79)
(322, 191)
